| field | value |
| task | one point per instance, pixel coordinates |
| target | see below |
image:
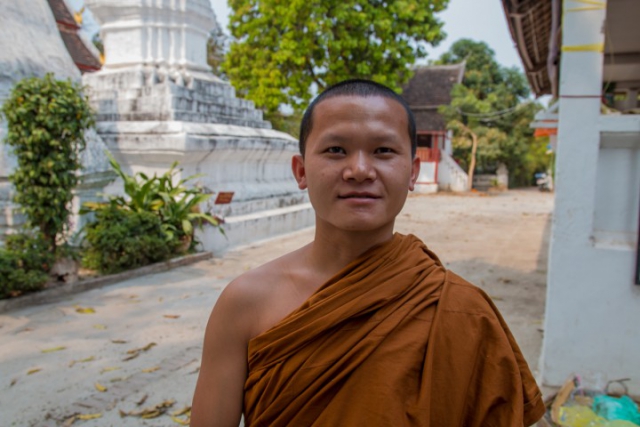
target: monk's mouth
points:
(358, 196)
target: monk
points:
(361, 327)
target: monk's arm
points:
(218, 397)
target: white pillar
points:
(581, 71)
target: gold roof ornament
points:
(77, 16)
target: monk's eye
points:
(384, 150)
(335, 150)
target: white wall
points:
(592, 324)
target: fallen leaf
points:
(171, 316)
(86, 359)
(149, 370)
(496, 298)
(33, 371)
(100, 387)
(109, 369)
(119, 341)
(130, 357)
(117, 379)
(195, 371)
(185, 410)
(13, 382)
(151, 411)
(69, 421)
(133, 353)
(142, 400)
(89, 416)
(100, 326)
(133, 296)
(85, 310)
(53, 349)
(182, 422)
(26, 330)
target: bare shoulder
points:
(254, 299)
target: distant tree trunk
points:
(474, 148)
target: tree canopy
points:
(492, 105)
(285, 51)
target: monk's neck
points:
(331, 251)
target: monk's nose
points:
(359, 168)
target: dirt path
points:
(497, 242)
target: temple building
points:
(83, 53)
(429, 88)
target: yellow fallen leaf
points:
(185, 410)
(100, 326)
(119, 341)
(150, 412)
(109, 369)
(182, 422)
(69, 421)
(89, 416)
(117, 379)
(86, 359)
(100, 387)
(85, 310)
(33, 371)
(171, 316)
(149, 370)
(51, 350)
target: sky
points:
(482, 20)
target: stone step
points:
(182, 116)
(167, 104)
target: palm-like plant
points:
(175, 204)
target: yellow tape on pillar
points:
(596, 47)
(582, 9)
(592, 2)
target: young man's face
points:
(357, 164)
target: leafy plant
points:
(46, 121)
(175, 205)
(24, 264)
(120, 239)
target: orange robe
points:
(392, 340)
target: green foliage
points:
(121, 239)
(283, 50)
(175, 205)
(288, 123)
(492, 103)
(24, 264)
(46, 121)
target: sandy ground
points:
(71, 357)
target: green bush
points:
(24, 264)
(120, 239)
(174, 203)
(46, 120)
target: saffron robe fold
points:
(391, 340)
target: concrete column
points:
(581, 71)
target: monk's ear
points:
(415, 172)
(299, 172)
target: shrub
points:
(120, 239)
(46, 120)
(24, 264)
(175, 205)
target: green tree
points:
(490, 113)
(285, 51)
(46, 121)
